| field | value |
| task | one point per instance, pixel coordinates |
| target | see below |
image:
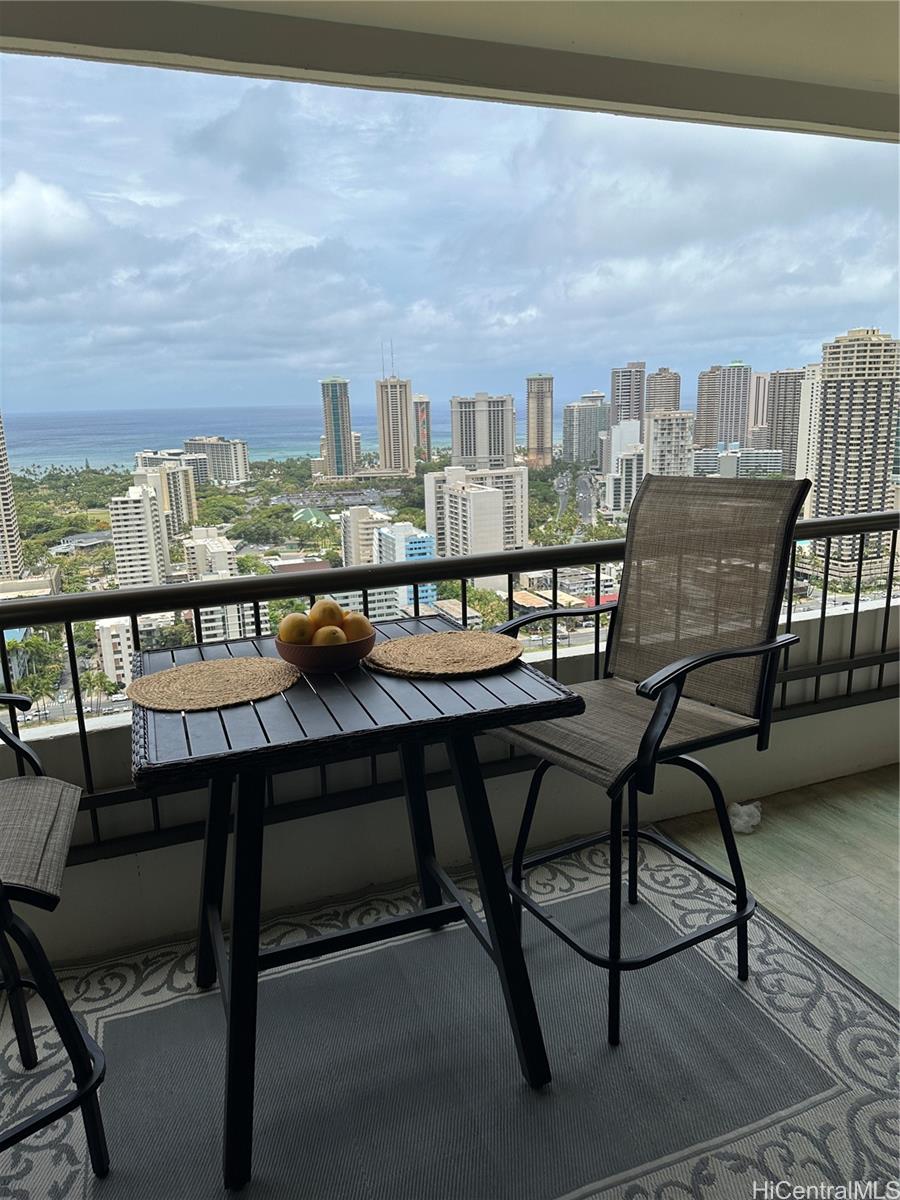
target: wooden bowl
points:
(325, 660)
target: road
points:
(584, 501)
(562, 485)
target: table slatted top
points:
(326, 718)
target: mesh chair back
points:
(705, 566)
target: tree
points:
(252, 564)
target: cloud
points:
(251, 139)
(41, 222)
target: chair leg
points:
(17, 1006)
(615, 918)
(522, 840)
(67, 1027)
(734, 858)
(632, 842)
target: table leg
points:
(412, 760)
(498, 911)
(215, 850)
(243, 979)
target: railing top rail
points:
(126, 602)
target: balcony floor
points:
(825, 860)
(390, 1072)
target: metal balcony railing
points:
(830, 569)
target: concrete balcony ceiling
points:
(825, 66)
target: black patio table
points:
(326, 719)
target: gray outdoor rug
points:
(390, 1074)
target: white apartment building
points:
(384, 603)
(152, 459)
(627, 392)
(473, 524)
(734, 403)
(403, 542)
(173, 483)
(539, 420)
(227, 458)
(12, 564)
(116, 646)
(482, 431)
(207, 552)
(743, 463)
(669, 445)
(624, 436)
(139, 538)
(620, 487)
(808, 427)
(512, 485)
(338, 436)
(396, 432)
(855, 440)
(706, 423)
(581, 432)
(359, 524)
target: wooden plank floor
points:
(825, 860)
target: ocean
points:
(106, 437)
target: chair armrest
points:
(10, 739)
(512, 627)
(651, 687)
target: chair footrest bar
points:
(363, 935)
(67, 1104)
(635, 962)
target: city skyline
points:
(172, 261)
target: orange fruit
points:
(356, 627)
(326, 612)
(296, 628)
(329, 635)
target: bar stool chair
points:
(37, 816)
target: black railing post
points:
(79, 716)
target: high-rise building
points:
(422, 427)
(207, 552)
(857, 424)
(737, 464)
(139, 538)
(116, 645)
(621, 438)
(396, 436)
(483, 431)
(758, 404)
(227, 458)
(627, 392)
(758, 438)
(620, 486)
(356, 447)
(12, 564)
(198, 463)
(173, 482)
(359, 524)
(784, 415)
(510, 482)
(338, 435)
(403, 542)
(706, 424)
(808, 428)
(663, 392)
(734, 403)
(539, 420)
(669, 443)
(209, 555)
(581, 431)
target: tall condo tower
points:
(396, 436)
(855, 442)
(734, 403)
(581, 432)
(785, 389)
(627, 392)
(336, 418)
(539, 417)
(139, 538)
(808, 432)
(758, 411)
(227, 458)
(483, 431)
(663, 392)
(706, 425)
(669, 443)
(12, 564)
(422, 427)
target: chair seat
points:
(37, 816)
(601, 744)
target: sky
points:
(179, 239)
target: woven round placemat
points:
(439, 655)
(218, 684)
